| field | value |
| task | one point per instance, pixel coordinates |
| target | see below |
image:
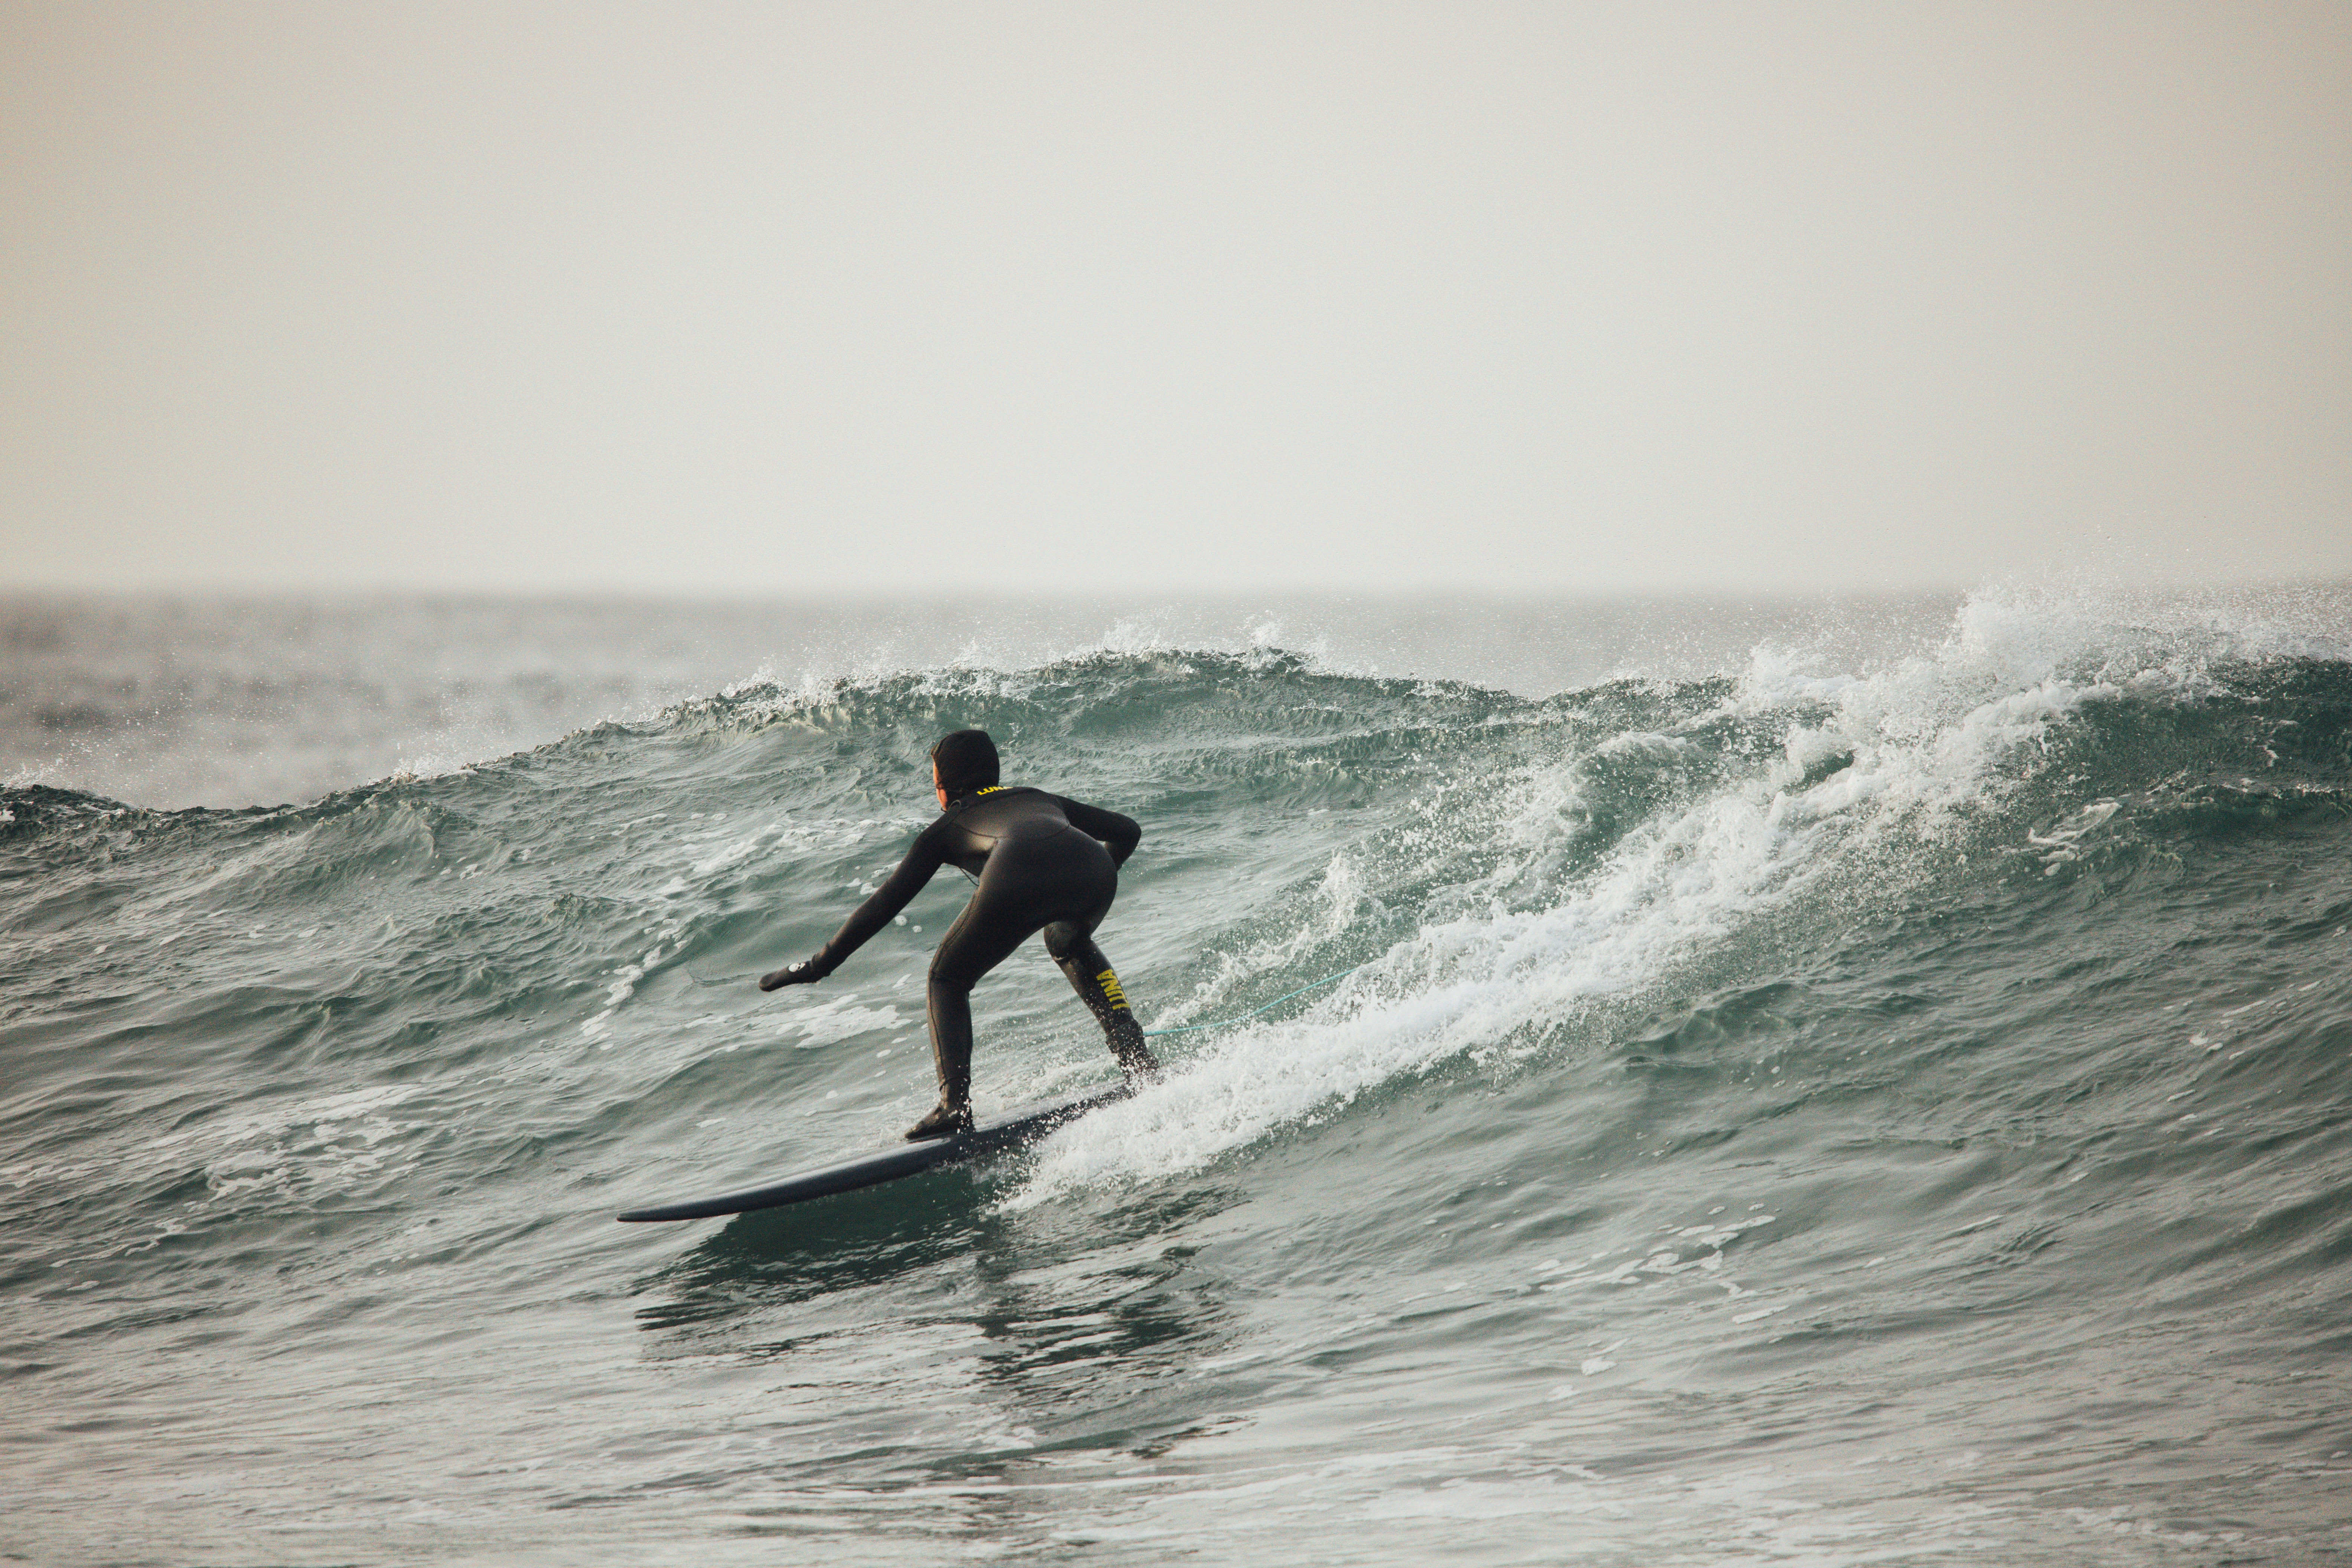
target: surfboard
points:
(1011, 1130)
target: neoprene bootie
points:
(1135, 1057)
(944, 1121)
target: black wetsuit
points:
(1044, 863)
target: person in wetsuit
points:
(1043, 863)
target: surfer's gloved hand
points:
(804, 972)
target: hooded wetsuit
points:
(1043, 863)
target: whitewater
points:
(1803, 1098)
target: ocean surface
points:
(1862, 1082)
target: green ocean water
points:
(1791, 1103)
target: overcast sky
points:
(798, 298)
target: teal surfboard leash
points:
(1241, 1018)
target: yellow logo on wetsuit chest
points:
(1112, 989)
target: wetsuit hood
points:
(966, 761)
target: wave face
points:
(1889, 1115)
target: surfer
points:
(1042, 863)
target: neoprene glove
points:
(804, 972)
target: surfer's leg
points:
(951, 1009)
(982, 937)
(1073, 947)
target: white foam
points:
(841, 1018)
(1337, 903)
(1925, 736)
(320, 1143)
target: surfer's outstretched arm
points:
(869, 917)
